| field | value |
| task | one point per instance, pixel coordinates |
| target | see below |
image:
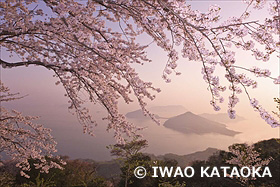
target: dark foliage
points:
(80, 173)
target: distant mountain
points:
(191, 123)
(159, 111)
(168, 111)
(138, 114)
(111, 169)
(222, 118)
(185, 160)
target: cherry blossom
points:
(91, 47)
(244, 155)
(21, 139)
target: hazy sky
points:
(189, 90)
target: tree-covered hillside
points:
(120, 172)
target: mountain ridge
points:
(161, 112)
(191, 123)
(110, 169)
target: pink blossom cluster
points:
(21, 139)
(264, 114)
(244, 155)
